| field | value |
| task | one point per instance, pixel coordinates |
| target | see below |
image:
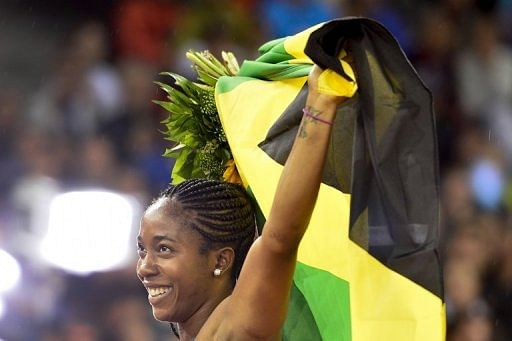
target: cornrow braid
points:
(222, 214)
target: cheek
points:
(193, 272)
(178, 269)
(137, 268)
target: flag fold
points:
(368, 266)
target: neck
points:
(189, 329)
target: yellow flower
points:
(231, 173)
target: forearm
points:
(300, 181)
(270, 264)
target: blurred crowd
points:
(89, 122)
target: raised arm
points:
(259, 302)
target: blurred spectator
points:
(477, 326)
(11, 125)
(282, 18)
(146, 150)
(387, 13)
(484, 73)
(132, 182)
(82, 92)
(487, 183)
(127, 320)
(456, 199)
(434, 48)
(80, 331)
(32, 193)
(98, 165)
(142, 29)
(136, 109)
(92, 45)
(217, 25)
(462, 287)
(499, 286)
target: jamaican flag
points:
(368, 267)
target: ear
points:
(224, 258)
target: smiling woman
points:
(194, 239)
(187, 246)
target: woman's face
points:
(177, 276)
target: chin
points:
(162, 315)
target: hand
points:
(316, 96)
(327, 87)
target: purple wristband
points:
(316, 118)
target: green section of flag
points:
(274, 72)
(276, 45)
(251, 70)
(273, 64)
(319, 307)
(226, 83)
(274, 52)
(300, 324)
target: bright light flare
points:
(10, 271)
(89, 231)
(2, 309)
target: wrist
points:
(317, 117)
(322, 102)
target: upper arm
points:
(259, 302)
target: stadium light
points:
(89, 231)
(10, 271)
(2, 309)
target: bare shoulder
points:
(212, 326)
(220, 326)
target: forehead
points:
(163, 218)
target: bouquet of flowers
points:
(201, 148)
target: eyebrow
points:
(159, 238)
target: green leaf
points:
(180, 98)
(193, 123)
(214, 64)
(178, 147)
(231, 63)
(206, 78)
(173, 107)
(185, 84)
(165, 87)
(183, 166)
(203, 63)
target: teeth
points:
(153, 292)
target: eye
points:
(140, 249)
(165, 249)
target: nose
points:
(146, 267)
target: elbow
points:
(280, 243)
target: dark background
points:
(76, 84)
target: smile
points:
(155, 295)
(154, 292)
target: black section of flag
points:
(281, 135)
(385, 137)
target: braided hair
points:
(221, 212)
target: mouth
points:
(157, 294)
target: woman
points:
(193, 240)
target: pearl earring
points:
(217, 272)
